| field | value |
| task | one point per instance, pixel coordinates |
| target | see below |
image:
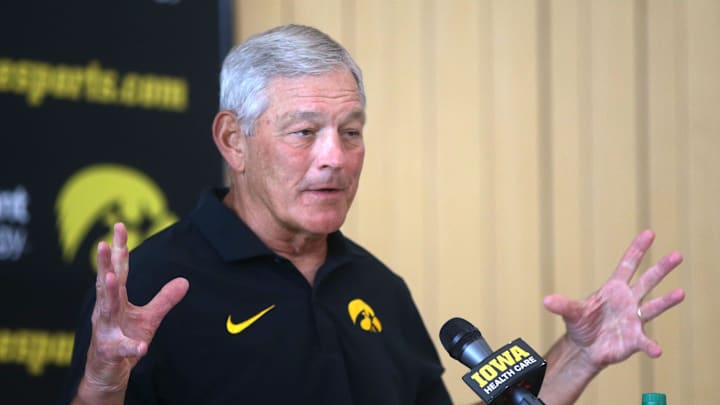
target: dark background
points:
(41, 147)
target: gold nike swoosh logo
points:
(235, 328)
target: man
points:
(262, 300)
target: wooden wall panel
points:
(667, 182)
(572, 160)
(567, 162)
(254, 16)
(514, 148)
(393, 221)
(462, 142)
(515, 135)
(703, 130)
(614, 181)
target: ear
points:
(230, 140)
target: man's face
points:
(304, 161)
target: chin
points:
(325, 225)
(324, 229)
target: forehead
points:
(334, 88)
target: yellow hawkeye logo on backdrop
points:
(96, 197)
(364, 316)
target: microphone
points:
(511, 375)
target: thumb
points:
(560, 305)
(167, 298)
(650, 347)
(132, 348)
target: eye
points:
(352, 137)
(304, 133)
(353, 133)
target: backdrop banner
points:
(106, 114)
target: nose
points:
(329, 150)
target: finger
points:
(563, 306)
(650, 347)
(657, 306)
(655, 274)
(109, 305)
(103, 267)
(633, 255)
(120, 252)
(167, 298)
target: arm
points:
(121, 332)
(607, 327)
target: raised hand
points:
(608, 325)
(121, 331)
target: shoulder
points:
(170, 253)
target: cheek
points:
(356, 162)
(262, 170)
(284, 167)
(354, 169)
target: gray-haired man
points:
(282, 307)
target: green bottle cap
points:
(653, 398)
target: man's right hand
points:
(121, 331)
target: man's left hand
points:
(608, 325)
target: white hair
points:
(285, 51)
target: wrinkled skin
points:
(121, 331)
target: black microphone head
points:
(456, 334)
(465, 343)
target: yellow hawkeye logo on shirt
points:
(235, 328)
(363, 315)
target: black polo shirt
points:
(252, 330)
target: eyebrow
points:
(355, 115)
(294, 116)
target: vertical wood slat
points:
(372, 204)
(515, 138)
(646, 373)
(615, 181)
(428, 122)
(254, 16)
(567, 164)
(703, 127)
(546, 174)
(666, 182)
(463, 142)
(394, 216)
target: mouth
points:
(324, 190)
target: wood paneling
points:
(514, 149)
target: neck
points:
(307, 252)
